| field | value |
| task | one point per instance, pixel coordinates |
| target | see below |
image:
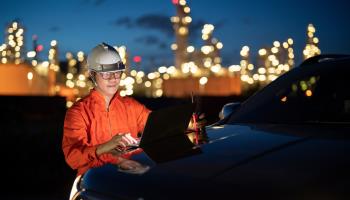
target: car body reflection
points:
(288, 141)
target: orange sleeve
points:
(79, 154)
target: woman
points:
(100, 125)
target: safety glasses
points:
(110, 75)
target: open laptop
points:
(164, 137)
(165, 123)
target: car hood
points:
(230, 155)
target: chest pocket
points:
(99, 129)
(118, 123)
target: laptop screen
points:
(166, 122)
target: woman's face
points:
(108, 82)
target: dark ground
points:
(32, 162)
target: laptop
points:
(165, 123)
(164, 137)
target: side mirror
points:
(228, 108)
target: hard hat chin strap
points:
(93, 78)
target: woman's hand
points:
(116, 144)
(126, 164)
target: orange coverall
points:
(88, 123)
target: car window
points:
(317, 98)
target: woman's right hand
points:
(116, 144)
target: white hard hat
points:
(104, 58)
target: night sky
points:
(144, 26)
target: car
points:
(290, 140)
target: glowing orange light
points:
(176, 2)
(308, 93)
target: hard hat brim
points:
(119, 66)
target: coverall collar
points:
(100, 99)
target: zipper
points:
(109, 123)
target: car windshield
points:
(317, 97)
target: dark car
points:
(288, 141)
